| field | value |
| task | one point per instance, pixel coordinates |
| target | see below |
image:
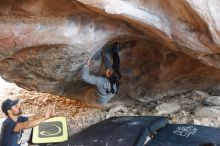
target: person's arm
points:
(35, 120)
(29, 124)
(34, 117)
(106, 54)
(86, 76)
(108, 66)
(114, 48)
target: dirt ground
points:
(79, 116)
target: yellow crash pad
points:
(51, 131)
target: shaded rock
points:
(167, 108)
(201, 94)
(207, 121)
(213, 100)
(117, 108)
(210, 111)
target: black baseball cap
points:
(7, 104)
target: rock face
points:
(44, 43)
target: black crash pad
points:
(118, 131)
(185, 135)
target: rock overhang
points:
(43, 45)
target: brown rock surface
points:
(44, 43)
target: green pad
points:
(51, 131)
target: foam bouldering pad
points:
(50, 131)
(185, 135)
(118, 131)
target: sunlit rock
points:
(44, 43)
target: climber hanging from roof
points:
(108, 84)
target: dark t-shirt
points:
(9, 137)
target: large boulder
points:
(44, 43)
